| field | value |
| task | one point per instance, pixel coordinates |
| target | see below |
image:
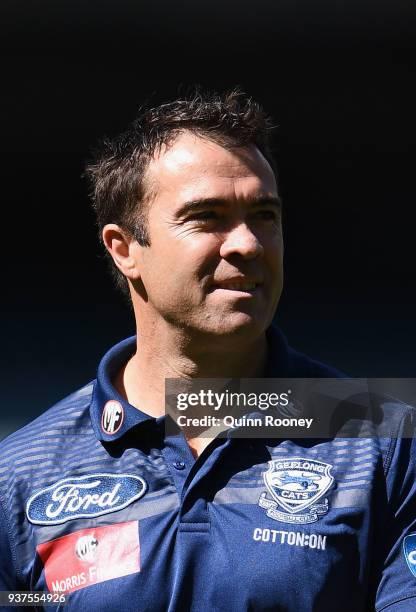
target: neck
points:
(177, 355)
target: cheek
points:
(274, 250)
(181, 264)
(197, 256)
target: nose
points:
(241, 240)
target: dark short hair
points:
(117, 171)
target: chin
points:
(242, 326)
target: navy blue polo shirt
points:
(97, 502)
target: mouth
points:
(240, 287)
(243, 286)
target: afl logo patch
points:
(113, 416)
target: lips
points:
(238, 286)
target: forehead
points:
(195, 167)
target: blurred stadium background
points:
(339, 79)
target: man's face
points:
(214, 264)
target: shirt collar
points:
(112, 416)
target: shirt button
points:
(179, 465)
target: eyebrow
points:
(256, 202)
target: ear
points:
(124, 250)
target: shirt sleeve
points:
(8, 574)
(394, 559)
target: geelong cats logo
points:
(295, 486)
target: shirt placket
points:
(190, 475)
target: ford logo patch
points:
(84, 497)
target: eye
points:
(204, 216)
(267, 215)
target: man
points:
(101, 503)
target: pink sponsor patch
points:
(90, 556)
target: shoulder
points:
(59, 441)
(306, 367)
(286, 362)
(42, 438)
